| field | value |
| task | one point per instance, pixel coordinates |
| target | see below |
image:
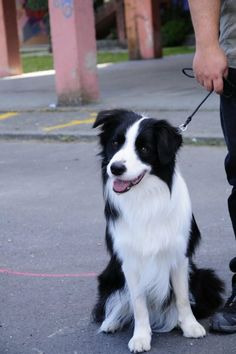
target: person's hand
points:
(210, 66)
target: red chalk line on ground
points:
(47, 275)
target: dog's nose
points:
(118, 168)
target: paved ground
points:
(52, 243)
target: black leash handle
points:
(185, 71)
(184, 126)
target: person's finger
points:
(218, 85)
(199, 79)
(225, 73)
(208, 84)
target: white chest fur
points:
(152, 220)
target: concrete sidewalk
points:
(156, 87)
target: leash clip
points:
(183, 127)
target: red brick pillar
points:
(74, 50)
(143, 28)
(10, 63)
(120, 21)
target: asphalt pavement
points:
(51, 207)
(52, 247)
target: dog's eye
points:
(115, 144)
(144, 149)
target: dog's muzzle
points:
(118, 168)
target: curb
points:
(209, 141)
(97, 107)
(91, 137)
(66, 138)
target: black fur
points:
(194, 238)
(207, 290)
(110, 280)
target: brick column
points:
(10, 63)
(74, 51)
(120, 21)
(143, 28)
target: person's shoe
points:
(225, 320)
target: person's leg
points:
(225, 320)
(228, 122)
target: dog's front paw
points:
(193, 329)
(108, 327)
(141, 343)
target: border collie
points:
(151, 234)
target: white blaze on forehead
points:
(127, 152)
(128, 156)
(132, 133)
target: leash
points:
(183, 127)
(228, 92)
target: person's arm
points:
(210, 63)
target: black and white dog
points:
(151, 234)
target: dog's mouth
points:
(121, 186)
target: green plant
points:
(176, 24)
(36, 5)
(173, 32)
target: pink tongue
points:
(120, 186)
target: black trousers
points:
(228, 123)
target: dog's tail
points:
(207, 291)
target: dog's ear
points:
(169, 140)
(106, 116)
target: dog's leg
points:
(188, 323)
(141, 340)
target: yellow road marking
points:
(70, 124)
(8, 115)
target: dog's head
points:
(134, 146)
